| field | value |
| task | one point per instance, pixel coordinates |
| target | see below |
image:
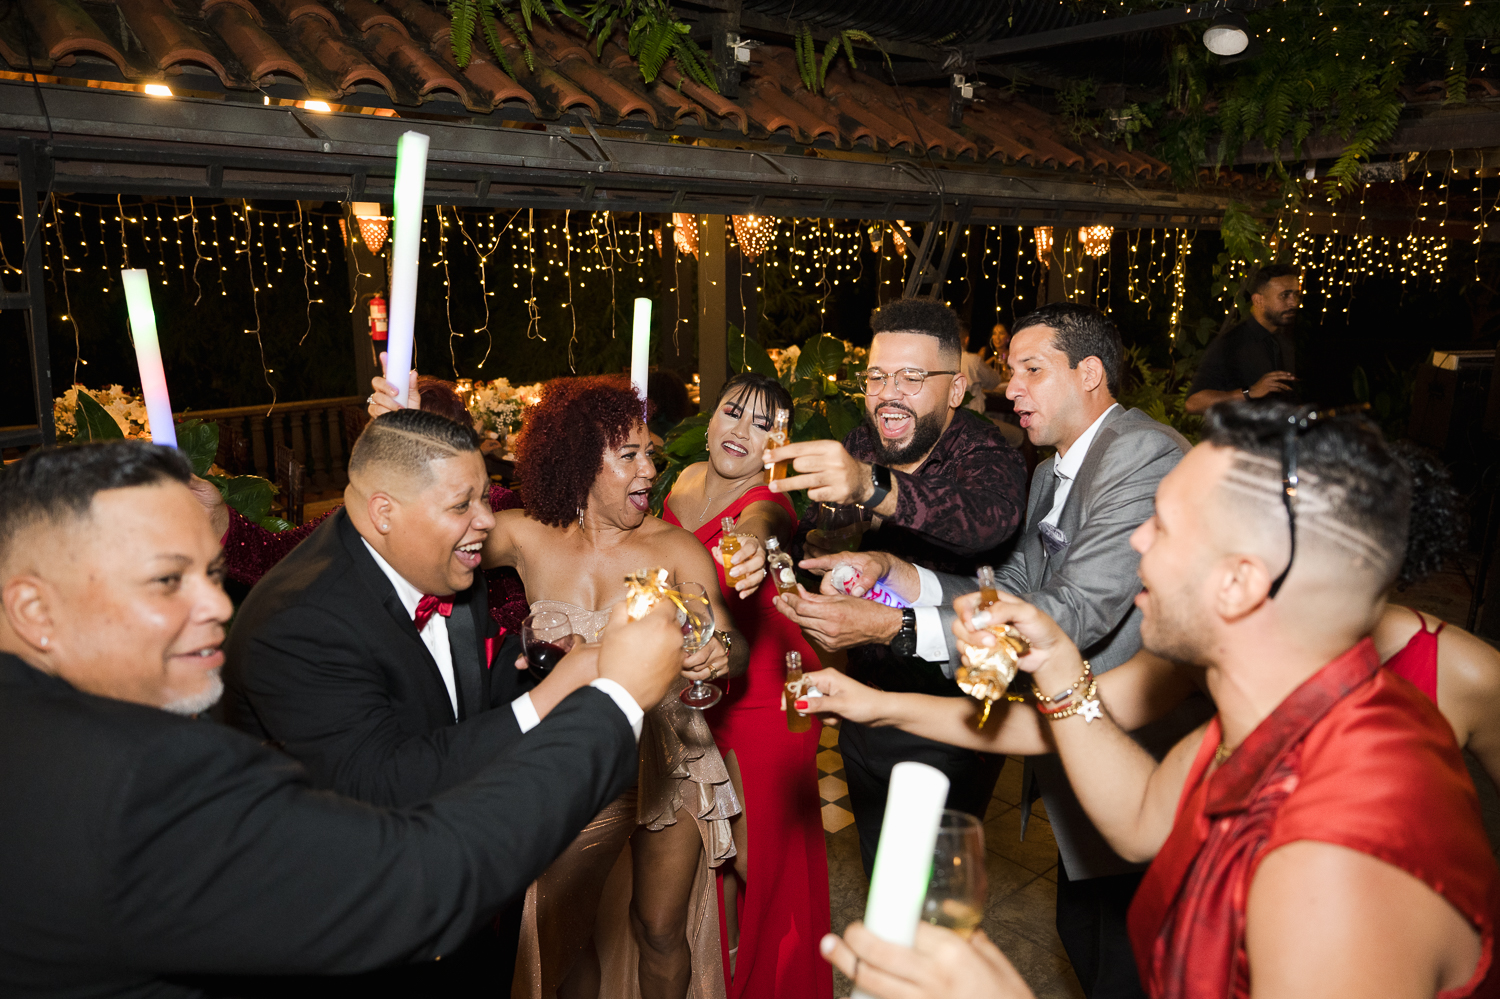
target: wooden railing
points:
(314, 430)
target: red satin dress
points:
(1353, 757)
(1417, 660)
(783, 910)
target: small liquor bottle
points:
(779, 565)
(987, 594)
(778, 436)
(729, 543)
(795, 722)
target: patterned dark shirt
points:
(959, 510)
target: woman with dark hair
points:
(583, 458)
(982, 378)
(775, 900)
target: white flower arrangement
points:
(497, 405)
(127, 408)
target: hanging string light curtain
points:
(685, 232)
(1096, 239)
(1043, 236)
(754, 234)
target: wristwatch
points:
(905, 642)
(1246, 393)
(880, 482)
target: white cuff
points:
(931, 645)
(932, 590)
(621, 697)
(526, 715)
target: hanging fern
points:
(655, 36)
(812, 68)
(517, 15)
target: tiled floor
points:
(1022, 878)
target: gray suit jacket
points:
(1089, 589)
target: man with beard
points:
(1074, 561)
(1257, 358)
(946, 491)
(1319, 836)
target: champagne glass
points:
(841, 525)
(696, 615)
(956, 892)
(542, 634)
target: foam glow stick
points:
(148, 356)
(406, 242)
(640, 347)
(903, 861)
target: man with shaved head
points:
(368, 653)
(1320, 835)
(145, 851)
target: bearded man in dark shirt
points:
(946, 491)
(1257, 358)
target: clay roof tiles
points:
(403, 49)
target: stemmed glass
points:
(841, 525)
(956, 892)
(542, 634)
(696, 615)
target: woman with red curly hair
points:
(584, 460)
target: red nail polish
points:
(801, 705)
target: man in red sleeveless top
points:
(1319, 836)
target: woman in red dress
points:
(774, 904)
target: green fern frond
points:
(492, 38)
(519, 30)
(829, 52)
(462, 13)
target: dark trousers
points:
(1091, 923)
(870, 753)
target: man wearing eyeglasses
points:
(943, 489)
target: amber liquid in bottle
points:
(776, 437)
(728, 544)
(779, 565)
(987, 594)
(795, 722)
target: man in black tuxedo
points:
(366, 654)
(141, 846)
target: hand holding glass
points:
(958, 887)
(544, 635)
(696, 615)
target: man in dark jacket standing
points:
(142, 846)
(1257, 358)
(946, 490)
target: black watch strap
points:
(905, 642)
(880, 479)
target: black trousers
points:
(870, 753)
(1091, 923)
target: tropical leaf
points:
(199, 441)
(94, 422)
(745, 354)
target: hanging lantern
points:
(753, 232)
(1043, 236)
(877, 236)
(900, 236)
(1096, 239)
(656, 235)
(373, 227)
(685, 232)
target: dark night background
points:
(212, 361)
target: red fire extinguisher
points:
(378, 323)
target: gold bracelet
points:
(1080, 700)
(1088, 674)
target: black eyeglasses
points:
(1296, 425)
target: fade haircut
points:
(1081, 331)
(1354, 491)
(920, 315)
(410, 440)
(52, 486)
(1256, 282)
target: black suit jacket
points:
(325, 663)
(136, 845)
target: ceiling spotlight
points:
(158, 90)
(1227, 35)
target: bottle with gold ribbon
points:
(987, 672)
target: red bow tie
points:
(427, 605)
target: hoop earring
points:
(580, 518)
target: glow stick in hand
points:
(406, 242)
(903, 861)
(640, 347)
(148, 356)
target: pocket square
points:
(1053, 539)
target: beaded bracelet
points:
(1079, 699)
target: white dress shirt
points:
(932, 643)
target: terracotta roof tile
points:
(367, 15)
(258, 52)
(65, 29)
(341, 63)
(404, 47)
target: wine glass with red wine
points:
(696, 616)
(543, 634)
